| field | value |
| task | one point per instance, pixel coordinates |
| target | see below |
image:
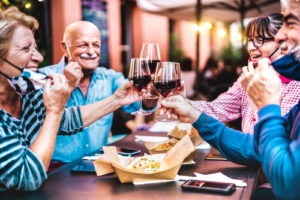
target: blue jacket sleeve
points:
(234, 145)
(280, 155)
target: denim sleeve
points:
(280, 155)
(71, 121)
(236, 146)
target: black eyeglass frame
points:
(256, 43)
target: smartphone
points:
(212, 156)
(84, 168)
(207, 186)
(125, 151)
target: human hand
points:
(247, 75)
(178, 107)
(265, 86)
(57, 94)
(180, 90)
(73, 74)
(127, 94)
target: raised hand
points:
(247, 75)
(179, 107)
(127, 94)
(265, 86)
(56, 94)
(73, 74)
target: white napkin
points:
(217, 177)
(163, 126)
(203, 145)
(92, 158)
(144, 138)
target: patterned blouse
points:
(20, 168)
(235, 103)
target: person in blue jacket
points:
(81, 44)
(275, 143)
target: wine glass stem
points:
(141, 95)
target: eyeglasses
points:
(258, 42)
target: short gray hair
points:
(289, 4)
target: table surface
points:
(62, 184)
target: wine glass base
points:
(141, 112)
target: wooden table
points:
(62, 184)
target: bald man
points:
(81, 44)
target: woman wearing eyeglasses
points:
(235, 103)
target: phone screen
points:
(198, 185)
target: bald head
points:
(82, 44)
(78, 28)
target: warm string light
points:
(202, 27)
(221, 32)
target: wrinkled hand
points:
(180, 108)
(73, 74)
(56, 95)
(127, 94)
(247, 75)
(265, 87)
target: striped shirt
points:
(235, 103)
(20, 168)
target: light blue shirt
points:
(104, 82)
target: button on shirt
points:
(104, 82)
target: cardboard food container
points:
(179, 131)
(182, 129)
(169, 166)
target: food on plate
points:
(147, 163)
(166, 146)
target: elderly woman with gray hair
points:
(31, 117)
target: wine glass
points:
(139, 73)
(151, 52)
(165, 80)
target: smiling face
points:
(260, 34)
(22, 52)
(288, 36)
(264, 51)
(83, 40)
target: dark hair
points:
(264, 26)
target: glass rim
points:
(168, 62)
(137, 58)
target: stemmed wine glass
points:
(151, 52)
(165, 80)
(139, 73)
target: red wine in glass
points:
(141, 82)
(139, 73)
(165, 81)
(152, 65)
(165, 88)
